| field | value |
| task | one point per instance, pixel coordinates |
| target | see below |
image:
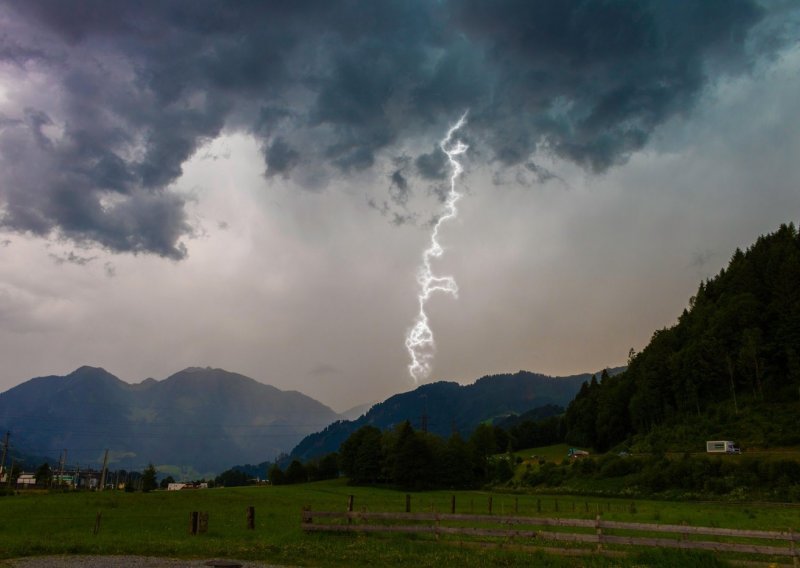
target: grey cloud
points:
(17, 54)
(281, 158)
(400, 219)
(397, 218)
(36, 119)
(382, 208)
(433, 165)
(399, 180)
(332, 85)
(399, 189)
(72, 258)
(541, 173)
(399, 186)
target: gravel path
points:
(123, 562)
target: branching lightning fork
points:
(419, 340)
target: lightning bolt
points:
(419, 341)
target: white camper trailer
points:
(722, 447)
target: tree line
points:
(414, 460)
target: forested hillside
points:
(730, 366)
(449, 407)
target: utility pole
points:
(61, 463)
(10, 473)
(104, 472)
(5, 451)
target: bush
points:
(615, 466)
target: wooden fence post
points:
(408, 503)
(453, 505)
(350, 508)
(251, 518)
(305, 516)
(97, 522)
(193, 522)
(202, 522)
(599, 531)
(490, 505)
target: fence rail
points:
(435, 523)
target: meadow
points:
(157, 524)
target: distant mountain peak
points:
(86, 372)
(201, 370)
(88, 369)
(204, 418)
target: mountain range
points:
(446, 407)
(202, 420)
(199, 419)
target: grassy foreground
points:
(157, 524)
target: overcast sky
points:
(251, 185)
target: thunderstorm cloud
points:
(104, 101)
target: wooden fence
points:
(591, 531)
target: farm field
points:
(556, 453)
(156, 524)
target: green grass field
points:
(157, 524)
(555, 454)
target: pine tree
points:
(149, 478)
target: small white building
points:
(175, 486)
(26, 480)
(577, 454)
(722, 447)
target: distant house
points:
(87, 479)
(26, 480)
(189, 485)
(722, 447)
(577, 454)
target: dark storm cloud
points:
(542, 174)
(281, 158)
(399, 186)
(330, 86)
(433, 165)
